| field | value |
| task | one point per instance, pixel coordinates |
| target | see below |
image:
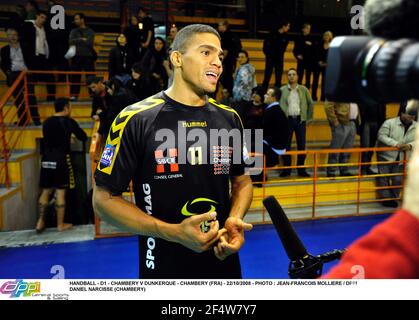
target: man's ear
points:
(176, 59)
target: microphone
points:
(302, 264)
(392, 19)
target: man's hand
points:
(231, 237)
(404, 147)
(300, 57)
(191, 236)
(411, 191)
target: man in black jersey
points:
(56, 170)
(190, 224)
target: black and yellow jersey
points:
(180, 159)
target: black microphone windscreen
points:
(392, 19)
(290, 240)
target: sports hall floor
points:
(262, 257)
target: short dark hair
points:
(245, 53)
(39, 12)
(185, 34)
(276, 93)
(283, 23)
(138, 67)
(81, 15)
(141, 9)
(60, 104)
(11, 29)
(93, 79)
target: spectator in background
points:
(58, 43)
(276, 130)
(244, 82)
(120, 60)
(398, 132)
(133, 35)
(304, 52)
(321, 64)
(13, 63)
(171, 36)
(225, 98)
(253, 120)
(146, 26)
(153, 63)
(31, 9)
(254, 112)
(141, 84)
(231, 46)
(111, 98)
(100, 98)
(343, 135)
(245, 78)
(36, 49)
(274, 48)
(83, 38)
(372, 117)
(56, 169)
(298, 106)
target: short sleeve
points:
(121, 157)
(238, 169)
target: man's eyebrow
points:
(212, 48)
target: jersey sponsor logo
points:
(194, 124)
(107, 156)
(205, 226)
(170, 160)
(221, 159)
(49, 165)
(118, 127)
(150, 261)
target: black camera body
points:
(383, 69)
(366, 69)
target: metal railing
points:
(353, 185)
(20, 103)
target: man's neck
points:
(40, 26)
(183, 94)
(14, 44)
(293, 85)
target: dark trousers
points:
(299, 127)
(19, 96)
(42, 63)
(307, 68)
(316, 76)
(270, 64)
(80, 64)
(369, 135)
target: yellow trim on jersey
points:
(224, 107)
(118, 126)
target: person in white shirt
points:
(297, 104)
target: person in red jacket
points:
(391, 249)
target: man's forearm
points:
(128, 217)
(241, 196)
